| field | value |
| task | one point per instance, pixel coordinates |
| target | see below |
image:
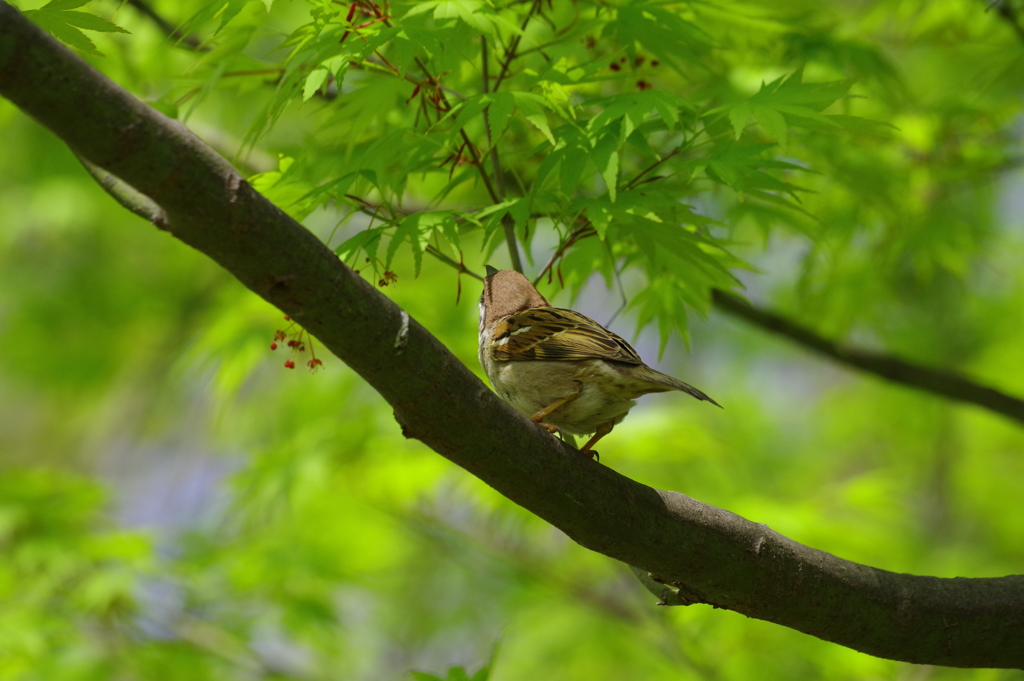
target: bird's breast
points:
(532, 385)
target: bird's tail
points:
(656, 377)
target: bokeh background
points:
(174, 503)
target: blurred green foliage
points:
(176, 504)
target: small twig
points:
(275, 71)
(560, 33)
(426, 81)
(213, 639)
(499, 180)
(618, 281)
(573, 238)
(936, 381)
(477, 161)
(461, 268)
(510, 53)
(632, 183)
(126, 195)
(469, 144)
(509, 227)
(374, 211)
(507, 224)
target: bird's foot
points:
(548, 427)
(602, 430)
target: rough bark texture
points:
(715, 556)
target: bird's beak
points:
(490, 270)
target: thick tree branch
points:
(716, 556)
(937, 381)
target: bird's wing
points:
(555, 334)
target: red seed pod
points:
(273, 346)
(289, 364)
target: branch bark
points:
(936, 381)
(715, 556)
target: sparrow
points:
(559, 368)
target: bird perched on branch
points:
(561, 369)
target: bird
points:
(559, 368)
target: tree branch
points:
(507, 223)
(714, 556)
(499, 181)
(126, 195)
(510, 53)
(1005, 9)
(936, 381)
(190, 41)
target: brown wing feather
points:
(555, 334)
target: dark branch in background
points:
(710, 555)
(190, 41)
(1005, 9)
(937, 381)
